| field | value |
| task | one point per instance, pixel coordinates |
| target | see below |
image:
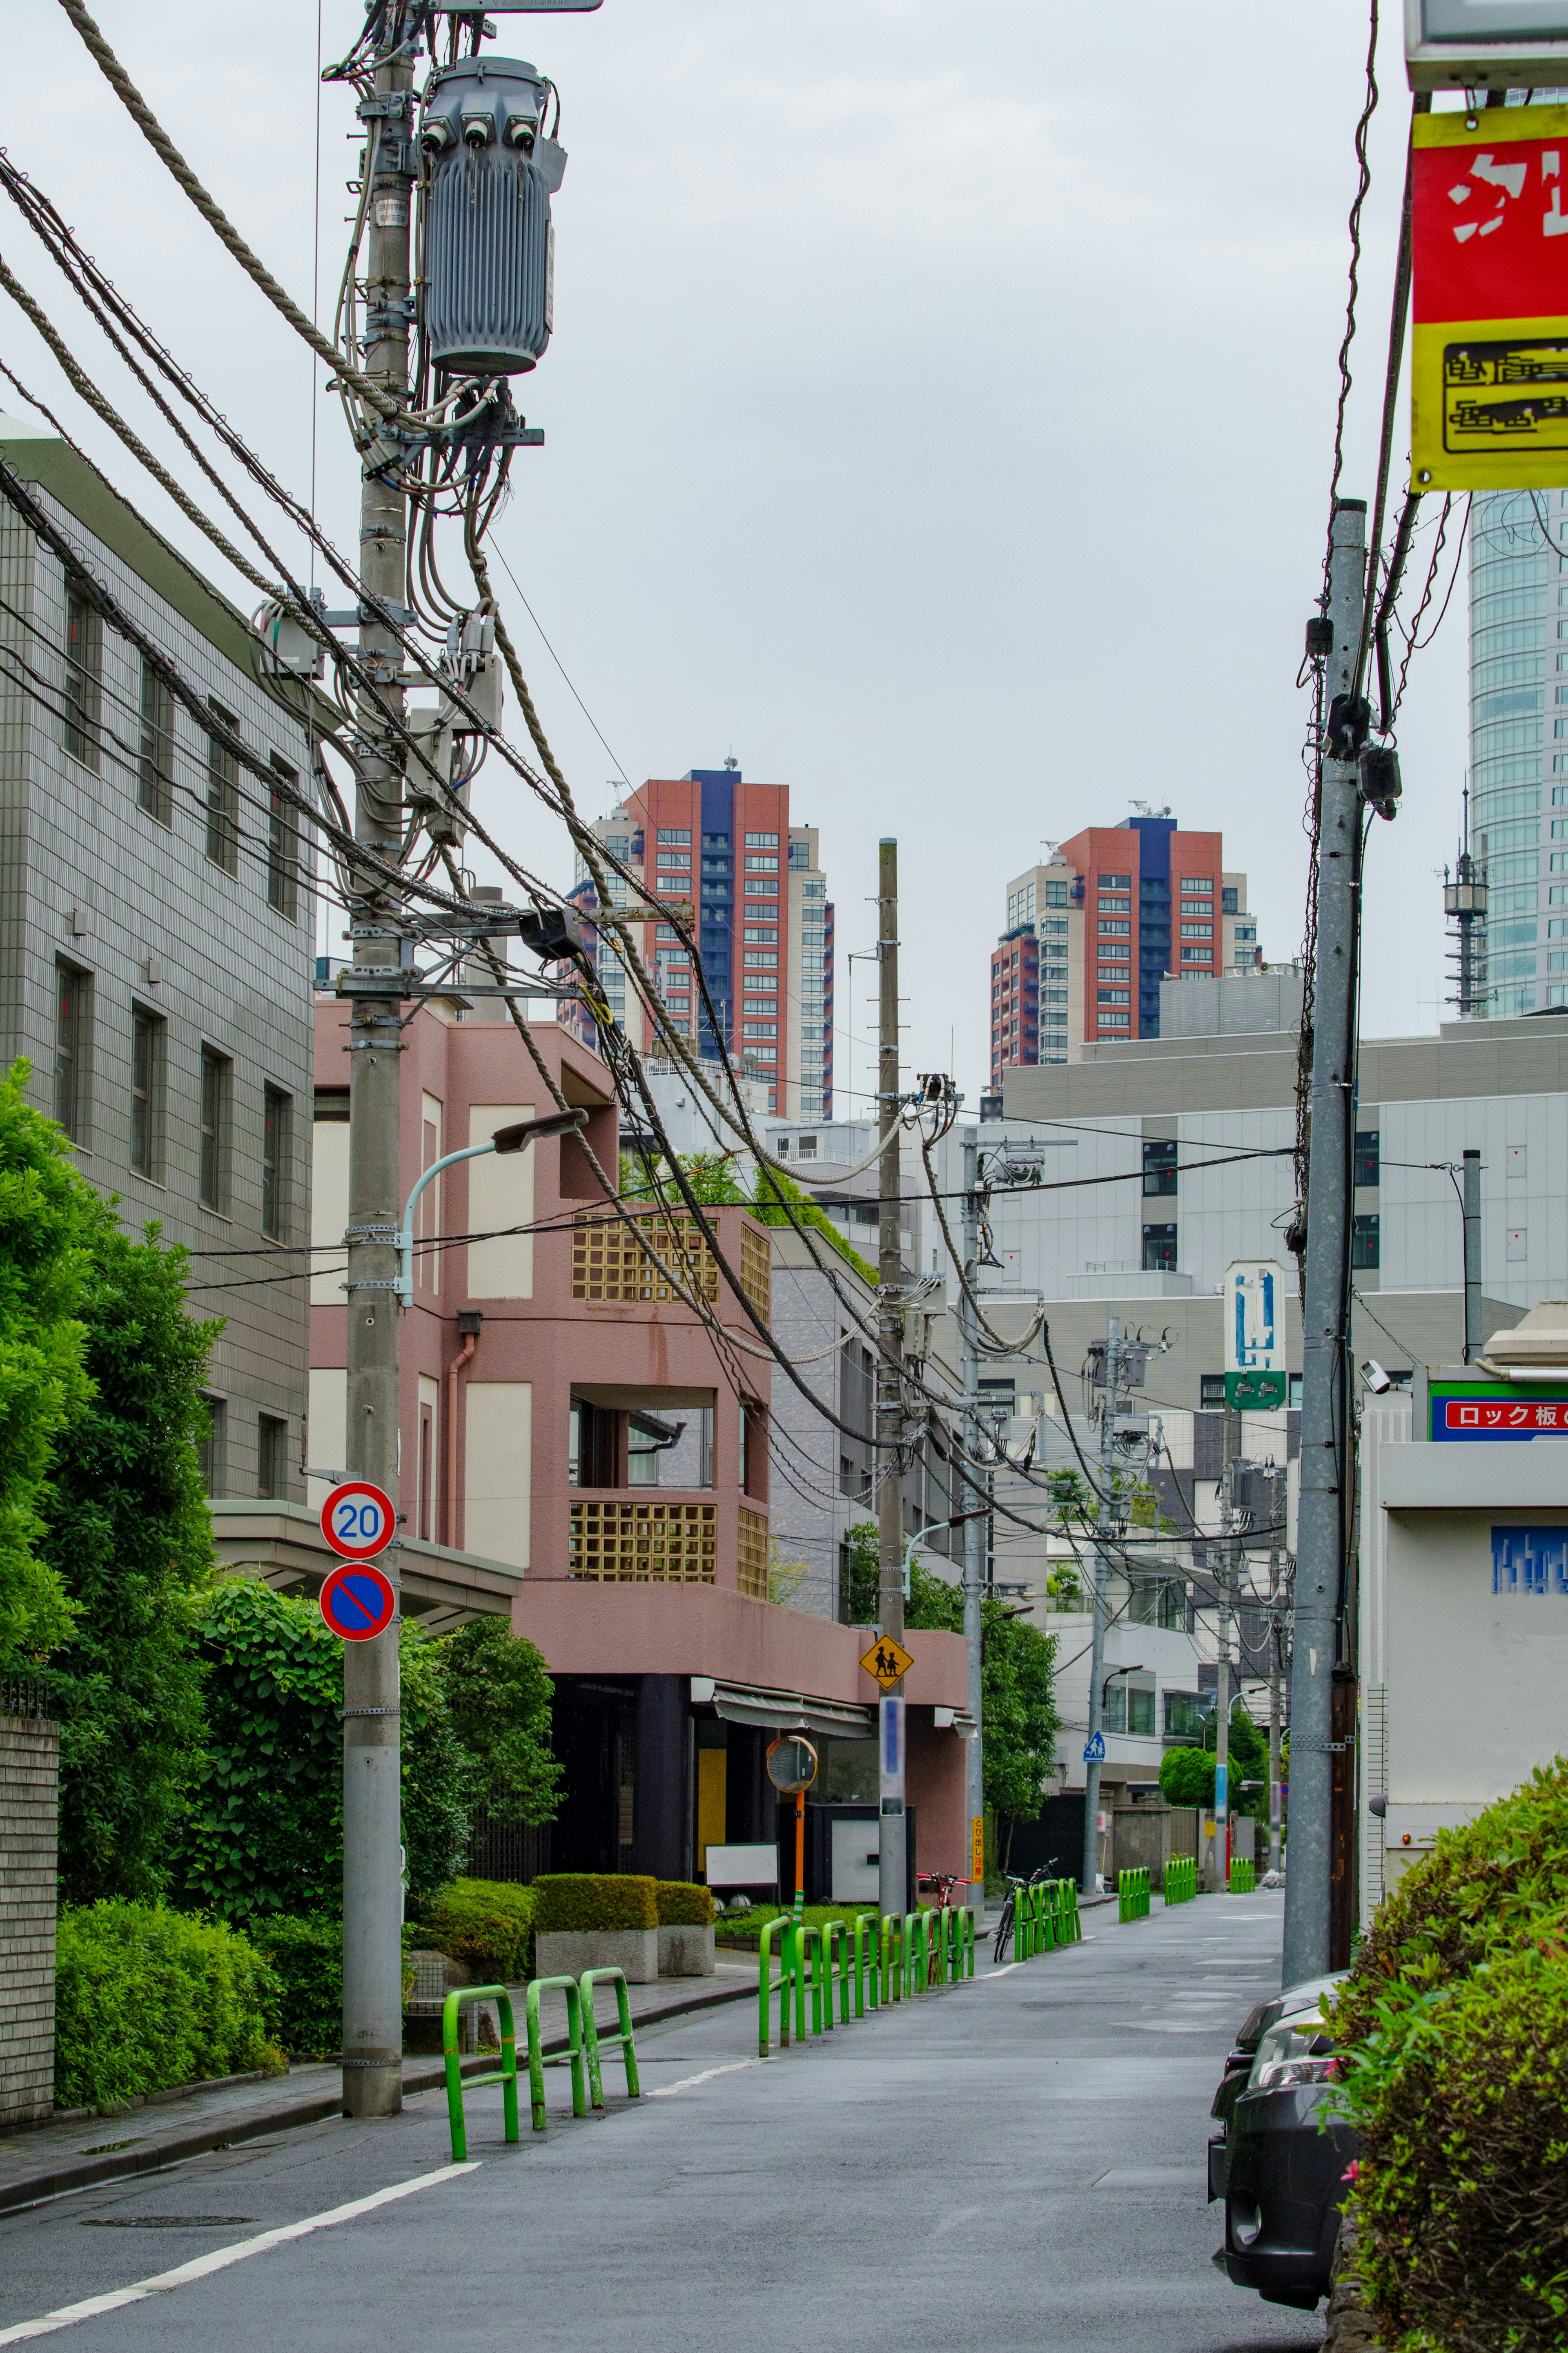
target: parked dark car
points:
(1281, 2174)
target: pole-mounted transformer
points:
(488, 243)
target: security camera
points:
(1374, 1377)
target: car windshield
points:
(1289, 2004)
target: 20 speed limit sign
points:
(358, 1520)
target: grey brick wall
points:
(88, 877)
(29, 1808)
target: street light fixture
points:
(516, 1138)
(910, 1543)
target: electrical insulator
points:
(1379, 779)
(489, 249)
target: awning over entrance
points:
(782, 1711)
(282, 1543)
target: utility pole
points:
(1472, 1202)
(1275, 1648)
(973, 1529)
(892, 1877)
(1103, 1520)
(373, 1867)
(1325, 1385)
(1224, 1628)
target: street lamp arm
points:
(955, 1520)
(506, 1139)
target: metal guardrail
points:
(571, 2057)
(506, 2075)
(1242, 1877)
(1181, 1879)
(874, 1961)
(1132, 1890)
(623, 2033)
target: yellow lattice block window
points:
(751, 1555)
(756, 1270)
(644, 1544)
(608, 1263)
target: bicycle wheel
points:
(1003, 1930)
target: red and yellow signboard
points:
(1489, 319)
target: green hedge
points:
(682, 1904)
(146, 1999)
(486, 1924)
(306, 1955)
(1455, 2071)
(564, 1901)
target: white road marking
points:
(67, 2314)
(1006, 1971)
(707, 2076)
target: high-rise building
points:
(751, 885)
(1093, 931)
(1519, 772)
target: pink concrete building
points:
(577, 1445)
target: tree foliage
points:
(45, 1207)
(128, 1534)
(1187, 1777)
(500, 1692)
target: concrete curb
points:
(88, 2172)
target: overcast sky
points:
(939, 416)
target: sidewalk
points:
(77, 2152)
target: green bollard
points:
(623, 2034)
(807, 1948)
(573, 2056)
(786, 1966)
(892, 1957)
(838, 1931)
(860, 1972)
(505, 2075)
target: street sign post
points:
(887, 1661)
(358, 1520)
(791, 1769)
(1094, 1749)
(358, 1601)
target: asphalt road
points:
(1021, 2158)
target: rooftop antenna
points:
(1464, 905)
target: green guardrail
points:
(1132, 1890)
(1181, 1879)
(505, 2075)
(622, 2034)
(873, 1961)
(571, 2057)
(1242, 1877)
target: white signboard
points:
(1254, 1316)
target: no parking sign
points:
(358, 1601)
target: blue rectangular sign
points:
(1529, 1560)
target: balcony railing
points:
(662, 1540)
(609, 1264)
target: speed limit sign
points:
(357, 1520)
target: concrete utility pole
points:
(1474, 1340)
(889, 1384)
(1325, 1338)
(1224, 1626)
(1274, 1649)
(372, 1865)
(1103, 1521)
(973, 1529)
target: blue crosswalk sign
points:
(1094, 1749)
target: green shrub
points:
(1187, 1777)
(486, 1924)
(145, 1999)
(593, 1900)
(306, 1956)
(1455, 2026)
(682, 1904)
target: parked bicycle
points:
(944, 1882)
(1006, 1925)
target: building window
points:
(767, 842)
(1160, 1167)
(73, 998)
(284, 845)
(1159, 1250)
(1211, 1391)
(211, 1454)
(83, 678)
(218, 1082)
(1197, 931)
(222, 795)
(1367, 1141)
(156, 764)
(1230, 902)
(1187, 1715)
(272, 1456)
(678, 835)
(277, 1136)
(1364, 1241)
(148, 1032)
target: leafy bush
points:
(129, 1534)
(306, 1956)
(146, 1997)
(588, 1901)
(1187, 1777)
(500, 1691)
(486, 1924)
(1455, 2028)
(682, 1904)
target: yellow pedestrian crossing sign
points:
(886, 1661)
